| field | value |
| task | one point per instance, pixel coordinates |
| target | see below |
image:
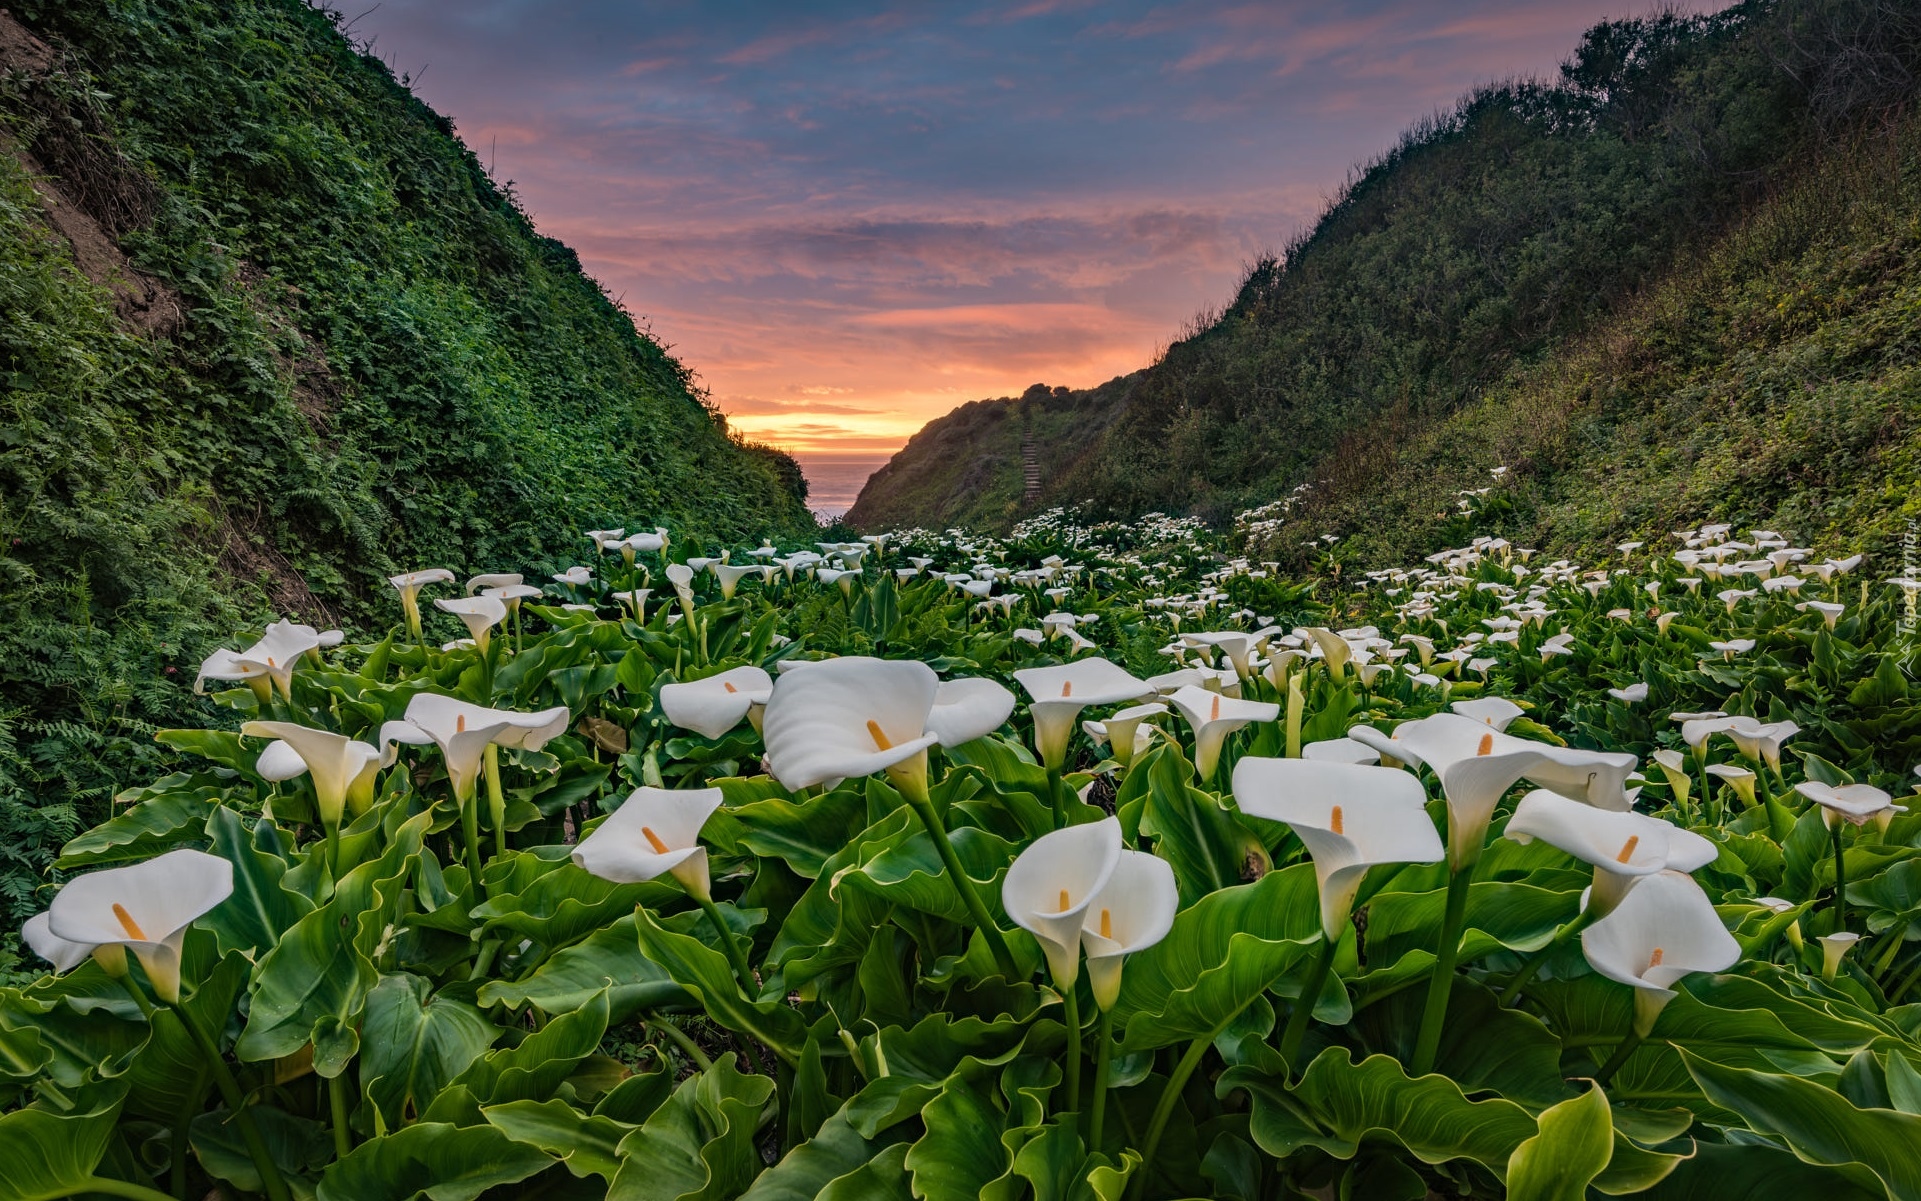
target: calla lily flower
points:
(1335, 650)
(1049, 886)
(1495, 711)
(731, 576)
(224, 664)
(966, 709)
(1232, 643)
(604, 539)
(1621, 847)
(506, 579)
(1857, 804)
(655, 831)
(1738, 778)
(1141, 738)
(635, 601)
(1477, 766)
(1131, 912)
(63, 955)
(712, 706)
(1058, 694)
(575, 577)
(1340, 750)
(844, 718)
(1350, 816)
(1834, 948)
(409, 587)
(1664, 929)
(281, 645)
(480, 614)
(340, 766)
(681, 576)
(1127, 732)
(144, 908)
(462, 732)
(1633, 694)
(1830, 613)
(512, 594)
(1213, 717)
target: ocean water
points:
(834, 480)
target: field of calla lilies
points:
(1089, 863)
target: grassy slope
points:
(965, 468)
(1773, 380)
(373, 363)
(1501, 238)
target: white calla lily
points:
(480, 614)
(1340, 750)
(1213, 717)
(844, 718)
(1050, 884)
(463, 731)
(968, 708)
(655, 831)
(409, 586)
(281, 645)
(1477, 765)
(1621, 847)
(1857, 804)
(716, 704)
(730, 576)
(1664, 929)
(225, 664)
(1058, 694)
(1350, 816)
(144, 908)
(1496, 712)
(1131, 912)
(338, 765)
(61, 953)
(1127, 732)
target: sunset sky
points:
(850, 219)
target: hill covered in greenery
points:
(969, 467)
(268, 334)
(1586, 279)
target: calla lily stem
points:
(1103, 1059)
(270, 1178)
(337, 1103)
(1164, 1110)
(1615, 1060)
(1540, 957)
(678, 1037)
(1840, 879)
(496, 799)
(1310, 993)
(1072, 999)
(1434, 1015)
(969, 895)
(735, 956)
(470, 830)
(1057, 796)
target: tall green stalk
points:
(743, 972)
(496, 799)
(270, 1179)
(1434, 1015)
(1170, 1094)
(1073, 1002)
(1310, 993)
(1103, 1058)
(1840, 878)
(337, 1106)
(915, 791)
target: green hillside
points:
(1514, 241)
(269, 333)
(967, 468)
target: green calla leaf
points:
(1339, 1103)
(699, 1145)
(1573, 1146)
(837, 1152)
(51, 1154)
(609, 960)
(1220, 955)
(414, 1043)
(171, 811)
(431, 1160)
(260, 909)
(1821, 1126)
(587, 1144)
(706, 976)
